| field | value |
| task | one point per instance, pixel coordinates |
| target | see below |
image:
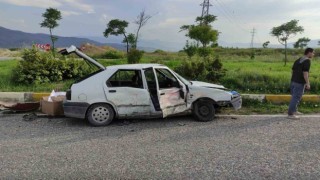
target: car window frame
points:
(142, 82)
(172, 73)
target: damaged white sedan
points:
(142, 91)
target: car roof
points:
(134, 66)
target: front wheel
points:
(203, 110)
(100, 114)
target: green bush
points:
(111, 55)
(161, 52)
(191, 49)
(196, 69)
(14, 49)
(204, 51)
(134, 56)
(41, 67)
(215, 70)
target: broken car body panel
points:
(141, 90)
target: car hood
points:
(207, 85)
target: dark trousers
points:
(297, 91)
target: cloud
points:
(76, 4)
(235, 18)
(105, 18)
(175, 22)
(80, 5)
(33, 3)
(69, 13)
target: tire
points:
(203, 110)
(100, 114)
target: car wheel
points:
(203, 110)
(100, 114)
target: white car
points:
(142, 91)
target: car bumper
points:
(75, 110)
(237, 103)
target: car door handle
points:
(161, 94)
(112, 91)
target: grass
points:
(250, 107)
(264, 77)
(265, 74)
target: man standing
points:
(299, 82)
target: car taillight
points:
(68, 95)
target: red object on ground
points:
(28, 106)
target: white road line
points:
(266, 115)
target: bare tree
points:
(141, 21)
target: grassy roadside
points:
(7, 84)
(251, 107)
(243, 74)
(265, 74)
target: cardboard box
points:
(54, 108)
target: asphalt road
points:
(8, 58)
(232, 147)
(4, 58)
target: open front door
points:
(171, 93)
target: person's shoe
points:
(298, 113)
(293, 117)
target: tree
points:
(301, 43)
(206, 20)
(51, 17)
(203, 33)
(318, 43)
(286, 31)
(266, 44)
(141, 21)
(117, 27)
(132, 39)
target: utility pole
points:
(253, 32)
(205, 11)
(205, 8)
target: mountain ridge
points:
(19, 39)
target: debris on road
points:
(30, 117)
(20, 107)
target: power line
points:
(238, 20)
(229, 17)
(231, 13)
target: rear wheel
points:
(203, 110)
(100, 114)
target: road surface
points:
(8, 58)
(232, 147)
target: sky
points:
(236, 18)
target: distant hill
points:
(18, 39)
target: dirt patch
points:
(92, 50)
(8, 53)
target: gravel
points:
(232, 147)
